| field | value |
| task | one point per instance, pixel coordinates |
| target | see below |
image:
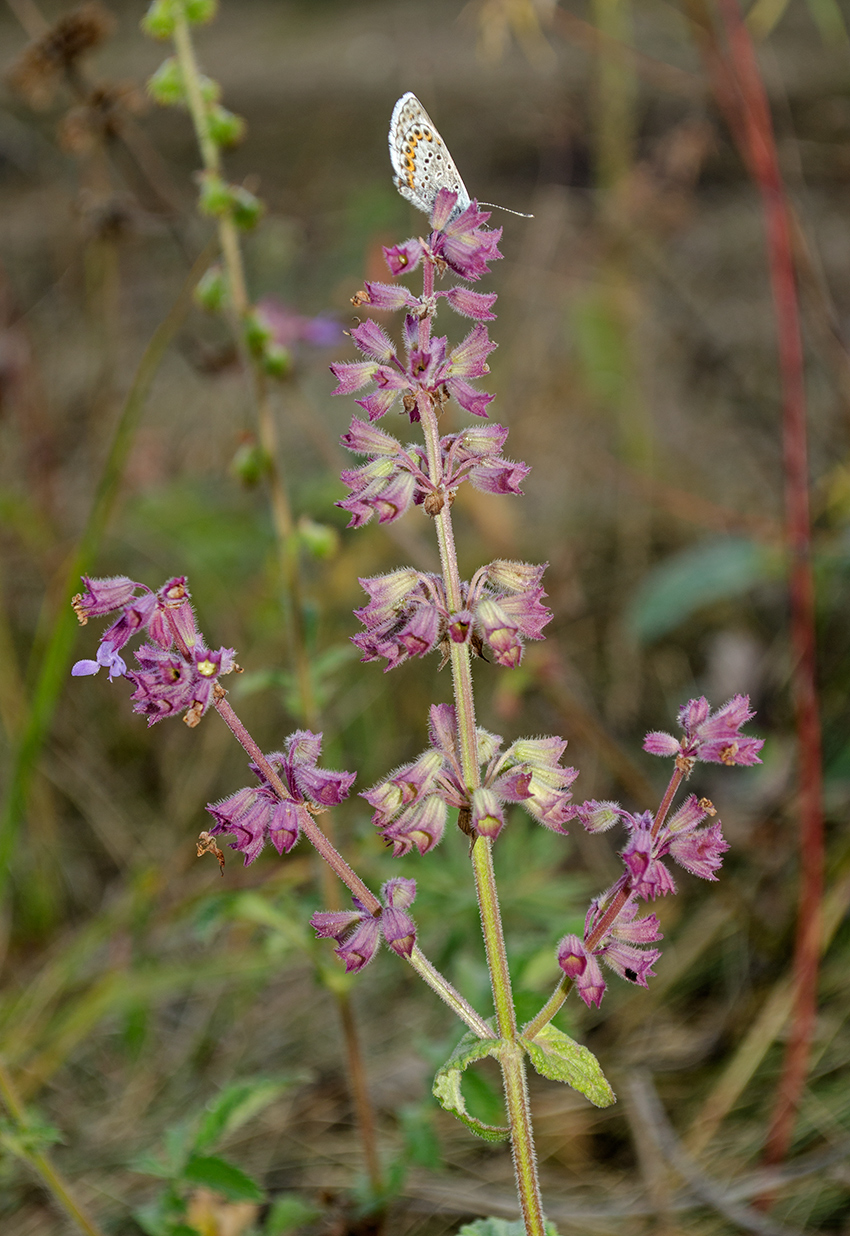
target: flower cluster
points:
(177, 672)
(358, 933)
(408, 613)
(257, 814)
(412, 803)
(713, 737)
(397, 476)
(429, 369)
(612, 933)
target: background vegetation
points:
(637, 370)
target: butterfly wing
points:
(420, 159)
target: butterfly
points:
(420, 158)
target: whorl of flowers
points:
(177, 672)
(257, 814)
(411, 805)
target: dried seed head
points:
(35, 73)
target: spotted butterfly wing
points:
(420, 159)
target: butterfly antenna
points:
(495, 205)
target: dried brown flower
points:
(36, 72)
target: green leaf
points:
(557, 1056)
(234, 1106)
(500, 1227)
(685, 582)
(447, 1091)
(288, 1213)
(222, 1177)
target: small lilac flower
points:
(711, 736)
(358, 932)
(257, 814)
(159, 614)
(289, 327)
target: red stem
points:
(753, 129)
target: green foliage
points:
(320, 540)
(685, 582)
(246, 207)
(249, 464)
(159, 21)
(222, 1177)
(185, 1162)
(499, 1227)
(166, 86)
(447, 1084)
(277, 361)
(557, 1056)
(212, 292)
(226, 128)
(26, 1139)
(215, 197)
(198, 11)
(287, 1213)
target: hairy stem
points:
(346, 874)
(513, 1062)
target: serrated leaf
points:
(500, 1227)
(446, 1088)
(557, 1056)
(685, 582)
(235, 1105)
(222, 1177)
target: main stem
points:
(512, 1058)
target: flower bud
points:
(488, 819)
(212, 290)
(226, 128)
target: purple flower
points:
(168, 683)
(256, 814)
(289, 327)
(583, 968)
(463, 242)
(428, 369)
(711, 736)
(411, 804)
(397, 476)
(164, 615)
(408, 613)
(358, 932)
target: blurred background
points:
(637, 372)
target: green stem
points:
(57, 653)
(39, 1161)
(512, 1058)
